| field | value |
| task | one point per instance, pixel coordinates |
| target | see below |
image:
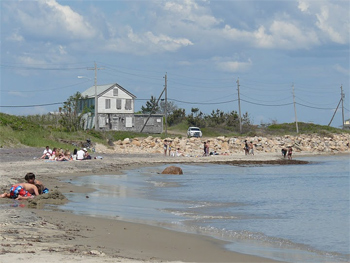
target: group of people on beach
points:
(23, 191)
(167, 146)
(248, 148)
(287, 151)
(57, 154)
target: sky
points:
(205, 48)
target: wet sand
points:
(34, 234)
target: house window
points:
(108, 103)
(119, 104)
(115, 92)
(128, 104)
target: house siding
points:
(131, 122)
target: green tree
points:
(70, 115)
(196, 118)
(170, 107)
(151, 106)
(176, 117)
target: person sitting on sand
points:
(61, 157)
(68, 155)
(74, 156)
(23, 191)
(87, 156)
(53, 155)
(81, 154)
(178, 153)
(47, 153)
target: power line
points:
(28, 106)
(41, 90)
(37, 68)
(315, 103)
(314, 107)
(265, 100)
(202, 103)
(268, 105)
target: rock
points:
(172, 170)
(126, 141)
(136, 143)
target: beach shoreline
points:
(87, 238)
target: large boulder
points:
(172, 170)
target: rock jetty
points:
(334, 143)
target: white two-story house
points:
(115, 110)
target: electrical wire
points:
(267, 105)
(314, 107)
(29, 106)
(43, 90)
(36, 68)
(265, 100)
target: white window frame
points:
(108, 103)
(115, 92)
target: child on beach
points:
(30, 178)
(22, 191)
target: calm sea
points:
(294, 213)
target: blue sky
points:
(202, 46)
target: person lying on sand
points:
(23, 191)
(30, 178)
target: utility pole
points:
(295, 111)
(239, 108)
(166, 105)
(342, 104)
(335, 112)
(149, 116)
(96, 99)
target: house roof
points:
(101, 89)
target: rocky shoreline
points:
(332, 143)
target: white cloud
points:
(341, 69)
(225, 64)
(280, 34)
(165, 42)
(15, 37)
(146, 43)
(331, 18)
(325, 24)
(303, 6)
(189, 11)
(48, 19)
(69, 20)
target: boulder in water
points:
(172, 170)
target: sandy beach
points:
(34, 234)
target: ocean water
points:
(293, 213)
